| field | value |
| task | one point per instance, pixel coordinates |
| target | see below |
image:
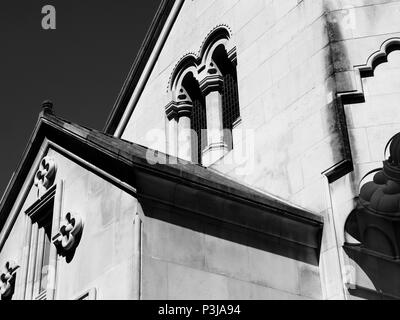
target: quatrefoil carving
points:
(7, 280)
(44, 177)
(69, 234)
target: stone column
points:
(216, 148)
(172, 129)
(179, 129)
(32, 262)
(184, 130)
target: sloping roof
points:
(184, 185)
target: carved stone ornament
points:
(44, 177)
(69, 234)
(378, 210)
(7, 280)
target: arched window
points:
(198, 119)
(230, 92)
(205, 92)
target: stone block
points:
(116, 284)
(226, 257)
(154, 279)
(359, 145)
(331, 279)
(310, 284)
(191, 284)
(173, 243)
(274, 271)
(244, 13)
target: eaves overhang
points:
(183, 187)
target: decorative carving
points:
(69, 234)
(378, 208)
(373, 228)
(7, 280)
(177, 109)
(212, 82)
(191, 59)
(188, 60)
(44, 177)
(379, 56)
(221, 31)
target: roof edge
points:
(234, 203)
(138, 65)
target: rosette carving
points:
(44, 177)
(69, 234)
(7, 280)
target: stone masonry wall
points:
(296, 59)
(104, 259)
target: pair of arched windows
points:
(205, 102)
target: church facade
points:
(252, 153)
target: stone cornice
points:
(187, 189)
(171, 110)
(178, 109)
(210, 83)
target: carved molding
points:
(218, 33)
(221, 31)
(379, 56)
(187, 61)
(367, 70)
(212, 82)
(375, 221)
(67, 239)
(175, 109)
(7, 280)
(45, 176)
(355, 94)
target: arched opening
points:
(205, 99)
(230, 92)
(198, 118)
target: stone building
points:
(236, 163)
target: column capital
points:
(211, 83)
(171, 110)
(177, 109)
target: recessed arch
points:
(378, 57)
(213, 67)
(188, 62)
(356, 94)
(220, 34)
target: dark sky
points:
(80, 66)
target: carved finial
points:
(47, 106)
(391, 166)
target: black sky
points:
(80, 66)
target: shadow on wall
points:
(382, 271)
(232, 233)
(375, 255)
(338, 59)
